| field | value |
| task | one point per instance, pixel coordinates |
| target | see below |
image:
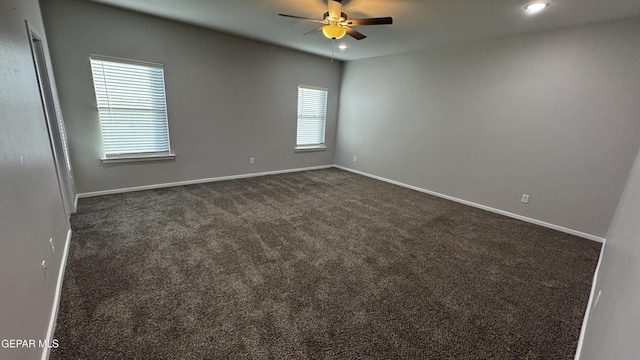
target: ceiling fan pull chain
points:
(333, 46)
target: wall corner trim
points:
(198, 181)
(589, 304)
(480, 206)
(56, 300)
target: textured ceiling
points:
(418, 24)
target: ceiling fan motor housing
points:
(343, 17)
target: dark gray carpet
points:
(321, 264)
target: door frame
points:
(55, 127)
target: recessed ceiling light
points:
(536, 7)
(342, 47)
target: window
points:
(312, 118)
(132, 109)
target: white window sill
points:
(137, 158)
(310, 148)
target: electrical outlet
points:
(525, 198)
(45, 270)
(355, 158)
(53, 248)
(252, 160)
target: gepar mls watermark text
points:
(28, 343)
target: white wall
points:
(31, 208)
(554, 115)
(613, 327)
(228, 98)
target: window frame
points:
(132, 156)
(311, 147)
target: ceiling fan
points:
(336, 23)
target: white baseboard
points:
(198, 181)
(56, 299)
(589, 304)
(241, 176)
(479, 206)
(75, 204)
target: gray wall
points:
(554, 115)
(228, 98)
(31, 209)
(613, 329)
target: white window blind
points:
(312, 115)
(132, 107)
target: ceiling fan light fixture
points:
(334, 31)
(536, 7)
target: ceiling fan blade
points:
(300, 17)
(354, 34)
(335, 8)
(313, 31)
(371, 21)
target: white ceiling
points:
(418, 24)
